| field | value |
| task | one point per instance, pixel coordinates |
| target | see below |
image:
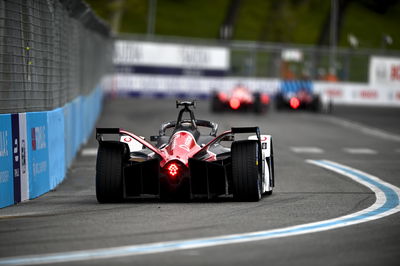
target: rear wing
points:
(234, 130)
(102, 131)
(255, 130)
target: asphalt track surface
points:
(70, 219)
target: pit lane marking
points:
(311, 150)
(89, 152)
(387, 203)
(360, 151)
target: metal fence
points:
(264, 60)
(51, 51)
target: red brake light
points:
(265, 99)
(173, 169)
(234, 103)
(294, 103)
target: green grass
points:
(188, 18)
(294, 21)
(368, 26)
(281, 21)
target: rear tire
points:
(316, 104)
(279, 104)
(270, 162)
(110, 157)
(216, 105)
(246, 174)
(258, 106)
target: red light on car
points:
(173, 169)
(222, 97)
(294, 103)
(265, 99)
(234, 103)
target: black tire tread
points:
(109, 172)
(245, 172)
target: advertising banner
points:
(384, 71)
(38, 153)
(16, 157)
(156, 85)
(55, 119)
(23, 157)
(149, 57)
(6, 162)
(357, 93)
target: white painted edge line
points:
(387, 203)
(315, 150)
(376, 132)
(89, 152)
(360, 151)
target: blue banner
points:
(55, 122)
(6, 162)
(294, 86)
(37, 148)
(38, 153)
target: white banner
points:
(358, 93)
(150, 84)
(23, 153)
(171, 55)
(337, 92)
(384, 71)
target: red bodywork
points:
(240, 96)
(181, 147)
(302, 97)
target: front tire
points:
(246, 174)
(110, 157)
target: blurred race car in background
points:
(184, 164)
(239, 98)
(300, 95)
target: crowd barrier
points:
(36, 148)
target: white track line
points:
(359, 151)
(314, 150)
(387, 203)
(376, 132)
(89, 152)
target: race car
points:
(240, 98)
(297, 95)
(184, 164)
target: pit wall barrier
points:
(143, 85)
(36, 148)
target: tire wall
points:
(36, 148)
